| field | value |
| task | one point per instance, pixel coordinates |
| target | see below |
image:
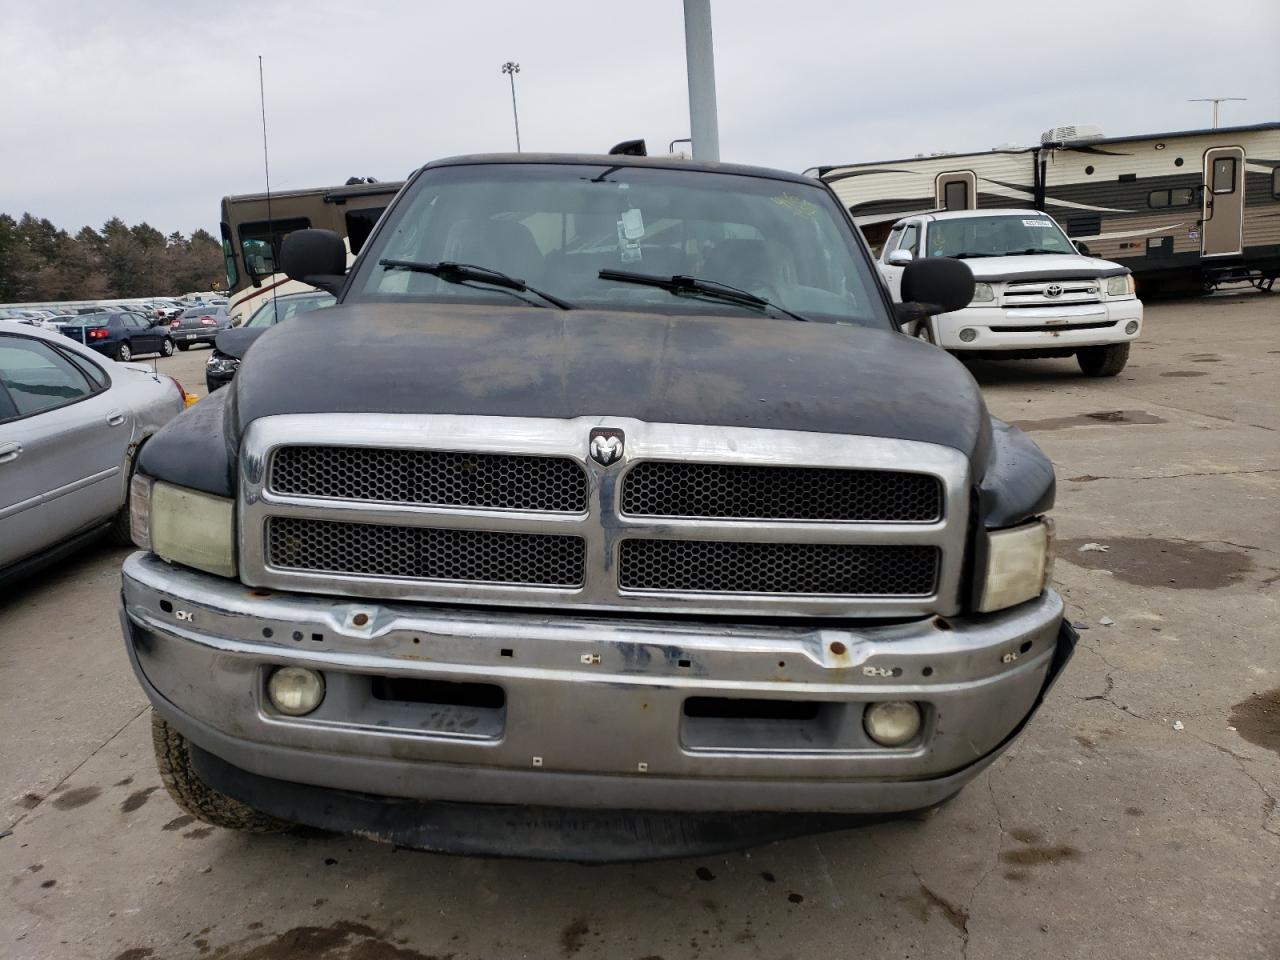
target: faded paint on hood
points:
(742, 371)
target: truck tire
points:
(194, 795)
(1103, 361)
(184, 347)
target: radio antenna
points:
(266, 170)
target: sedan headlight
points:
(982, 293)
(1019, 565)
(1121, 286)
(220, 363)
(183, 526)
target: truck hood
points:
(1043, 266)
(742, 371)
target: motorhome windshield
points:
(557, 226)
(998, 236)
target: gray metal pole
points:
(701, 66)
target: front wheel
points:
(123, 353)
(193, 795)
(166, 347)
(1103, 361)
(184, 347)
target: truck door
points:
(957, 190)
(1223, 200)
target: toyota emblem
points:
(606, 445)
(1053, 290)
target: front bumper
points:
(590, 712)
(1039, 328)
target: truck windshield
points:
(557, 226)
(997, 236)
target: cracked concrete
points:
(1104, 833)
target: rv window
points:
(1089, 225)
(229, 255)
(1181, 197)
(1224, 175)
(260, 243)
(956, 195)
(360, 225)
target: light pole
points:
(1215, 101)
(700, 65)
(511, 68)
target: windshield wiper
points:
(1034, 250)
(451, 272)
(970, 256)
(681, 285)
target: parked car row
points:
(71, 425)
(120, 336)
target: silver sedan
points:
(71, 424)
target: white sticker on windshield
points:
(1037, 223)
(632, 224)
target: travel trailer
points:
(255, 225)
(1183, 210)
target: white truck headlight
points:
(1019, 565)
(982, 293)
(183, 526)
(1121, 286)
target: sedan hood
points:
(741, 371)
(1043, 266)
(236, 341)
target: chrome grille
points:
(425, 553)
(1035, 293)
(732, 491)
(494, 481)
(717, 566)
(513, 511)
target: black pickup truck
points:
(608, 514)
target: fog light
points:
(295, 691)
(1131, 327)
(892, 723)
(968, 335)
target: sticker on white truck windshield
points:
(1037, 223)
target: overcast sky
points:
(149, 110)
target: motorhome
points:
(255, 225)
(1182, 210)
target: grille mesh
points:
(495, 481)
(663, 489)
(703, 566)
(423, 553)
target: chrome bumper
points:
(592, 711)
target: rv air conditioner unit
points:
(1079, 131)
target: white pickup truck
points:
(1037, 294)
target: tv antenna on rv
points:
(1215, 101)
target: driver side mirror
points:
(934, 285)
(315, 257)
(899, 258)
(1081, 247)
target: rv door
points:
(1223, 210)
(957, 190)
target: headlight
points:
(1019, 564)
(982, 293)
(183, 526)
(1121, 286)
(220, 363)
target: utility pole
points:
(701, 67)
(510, 68)
(1215, 101)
